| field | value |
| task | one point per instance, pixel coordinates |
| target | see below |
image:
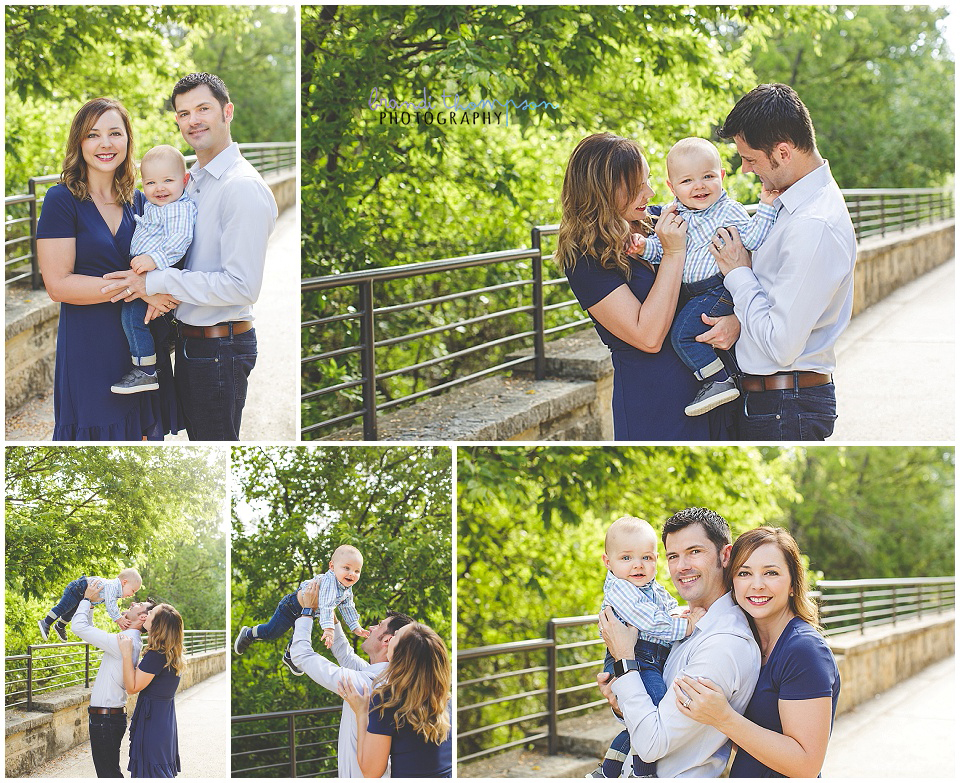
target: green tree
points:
(293, 506)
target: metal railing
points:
(292, 743)
(50, 667)
(348, 345)
(530, 685)
(22, 210)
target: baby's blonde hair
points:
(130, 575)
(165, 152)
(692, 145)
(346, 550)
(625, 526)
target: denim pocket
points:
(201, 349)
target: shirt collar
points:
(682, 209)
(715, 616)
(804, 188)
(219, 164)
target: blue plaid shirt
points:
(646, 608)
(165, 232)
(702, 225)
(334, 595)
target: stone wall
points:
(58, 720)
(32, 318)
(872, 662)
(573, 402)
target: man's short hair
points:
(193, 80)
(768, 115)
(714, 525)
(396, 621)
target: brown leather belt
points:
(798, 379)
(217, 330)
(107, 710)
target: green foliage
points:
(293, 506)
(71, 511)
(58, 57)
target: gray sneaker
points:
(288, 662)
(712, 395)
(244, 640)
(135, 381)
(44, 628)
(61, 628)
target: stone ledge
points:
(17, 721)
(26, 308)
(880, 636)
(581, 356)
(62, 698)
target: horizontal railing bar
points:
(500, 676)
(406, 338)
(501, 724)
(488, 751)
(503, 699)
(469, 294)
(455, 355)
(336, 420)
(504, 649)
(330, 389)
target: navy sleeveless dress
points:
(92, 351)
(154, 752)
(650, 390)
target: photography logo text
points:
(449, 109)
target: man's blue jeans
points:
(285, 615)
(72, 596)
(705, 296)
(137, 332)
(651, 657)
(211, 377)
(106, 734)
(788, 414)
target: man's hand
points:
(328, 637)
(94, 591)
(362, 632)
(728, 250)
(125, 284)
(123, 622)
(620, 639)
(605, 682)
(142, 264)
(725, 331)
(309, 595)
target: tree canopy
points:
(72, 511)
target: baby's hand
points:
(141, 264)
(693, 617)
(123, 622)
(328, 637)
(635, 244)
(363, 632)
(768, 196)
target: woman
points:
(786, 726)
(632, 305)
(84, 231)
(154, 752)
(407, 718)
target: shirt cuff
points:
(738, 278)
(154, 282)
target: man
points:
(108, 699)
(796, 296)
(223, 269)
(352, 667)
(721, 647)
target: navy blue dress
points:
(92, 351)
(154, 752)
(650, 390)
(410, 755)
(801, 666)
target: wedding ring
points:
(687, 702)
(129, 291)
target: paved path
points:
(203, 714)
(271, 412)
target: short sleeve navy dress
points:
(801, 666)
(650, 390)
(92, 351)
(410, 755)
(154, 752)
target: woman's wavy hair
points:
(605, 173)
(166, 636)
(74, 174)
(746, 544)
(416, 683)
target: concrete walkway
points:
(273, 397)
(896, 365)
(203, 715)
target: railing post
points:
(553, 699)
(539, 349)
(86, 666)
(893, 601)
(862, 619)
(29, 677)
(35, 280)
(293, 746)
(368, 361)
(883, 217)
(919, 601)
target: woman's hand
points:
(620, 639)
(158, 304)
(94, 591)
(724, 332)
(359, 701)
(308, 596)
(672, 232)
(728, 250)
(126, 646)
(702, 700)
